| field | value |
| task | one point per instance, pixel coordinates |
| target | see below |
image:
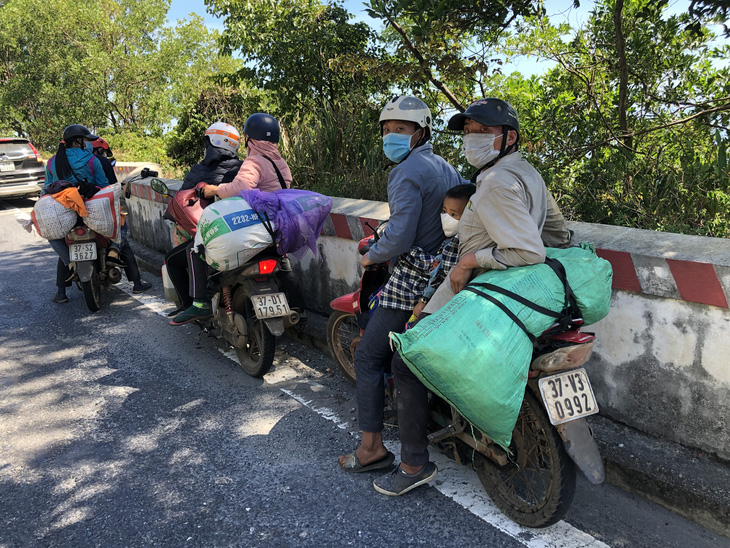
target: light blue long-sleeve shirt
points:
(79, 159)
(416, 190)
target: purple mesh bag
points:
(298, 216)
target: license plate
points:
(82, 252)
(270, 306)
(568, 396)
(7, 166)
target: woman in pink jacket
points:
(263, 168)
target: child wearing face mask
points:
(455, 203)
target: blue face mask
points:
(88, 146)
(396, 146)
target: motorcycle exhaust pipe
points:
(114, 275)
(291, 320)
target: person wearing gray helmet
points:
(508, 222)
(416, 189)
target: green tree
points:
(308, 53)
(108, 64)
(626, 127)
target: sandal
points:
(353, 465)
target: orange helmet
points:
(100, 143)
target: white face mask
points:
(449, 224)
(478, 148)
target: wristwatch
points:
(424, 300)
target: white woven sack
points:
(231, 233)
(104, 216)
(52, 219)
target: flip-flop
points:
(353, 465)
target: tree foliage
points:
(301, 49)
(631, 125)
(107, 64)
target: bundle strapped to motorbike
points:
(475, 352)
(233, 230)
(55, 213)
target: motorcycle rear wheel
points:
(92, 291)
(257, 357)
(343, 334)
(536, 487)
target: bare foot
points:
(371, 449)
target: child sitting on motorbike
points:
(454, 205)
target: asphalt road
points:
(117, 429)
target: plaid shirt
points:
(447, 258)
(408, 280)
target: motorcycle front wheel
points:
(92, 291)
(343, 335)
(257, 356)
(536, 487)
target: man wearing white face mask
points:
(416, 190)
(508, 222)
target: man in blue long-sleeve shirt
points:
(416, 190)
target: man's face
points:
(472, 126)
(399, 126)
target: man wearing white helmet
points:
(416, 190)
(508, 222)
(220, 165)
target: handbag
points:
(187, 206)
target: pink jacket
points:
(257, 172)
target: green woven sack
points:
(474, 356)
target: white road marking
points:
(455, 481)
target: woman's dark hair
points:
(63, 167)
(461, 192)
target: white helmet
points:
(408, 108)
(224, 136)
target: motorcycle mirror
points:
(160, 187)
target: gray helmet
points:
(262, 127)
(490, 112)
(75, 131)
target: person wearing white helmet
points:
(508, 222)
(220, 165)
(416, 189)
(263, 168)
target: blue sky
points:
(559, 10)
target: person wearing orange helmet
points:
(121, 255)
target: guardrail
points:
(661, 361)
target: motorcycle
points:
(249, 307)
(88, 253)
(534, 482)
